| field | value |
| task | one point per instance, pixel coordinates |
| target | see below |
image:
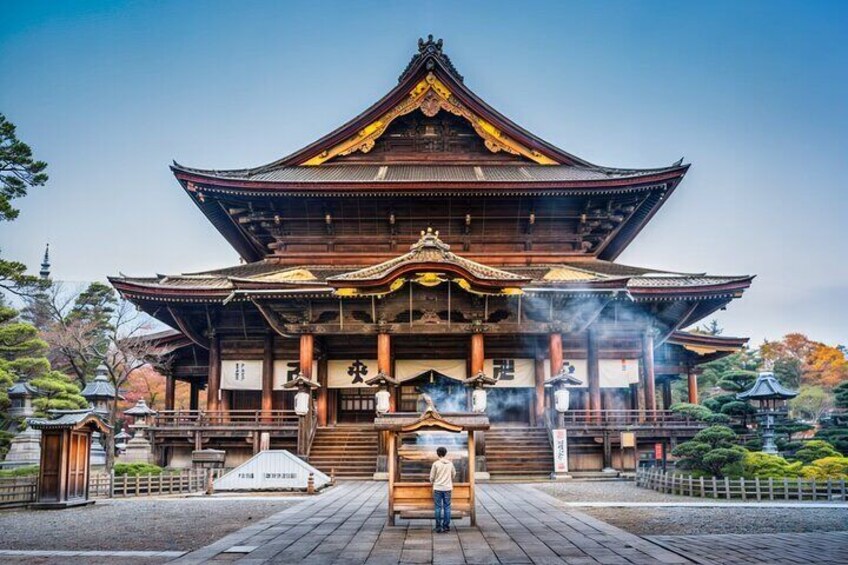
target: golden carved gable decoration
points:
(430, 95)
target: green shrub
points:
(27, 471)
(827, 468)
(718, 419)
(695, 411)
(712, 452)
(814, 450)
(766, 466)
(134, 469)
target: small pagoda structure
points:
(771, 396)
(101, 395)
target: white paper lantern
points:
(301, 403)
(561, 398)
(382, 396)
(478, 400)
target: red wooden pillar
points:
(213, 388)
(322, 404)
(307, 354)
(650, 384)
(268, 377)
(594, 375)
(539, 381)
(170, 390)
(555, 347)
(384, 362)
(693, 386)
(477, 353)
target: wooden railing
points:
(102, 485)
(17, 491)
(620, 419)
(743, 489)
(189, 419)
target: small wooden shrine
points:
(415, 499)
(65, 457)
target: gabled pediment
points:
(430, 85)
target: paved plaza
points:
(517, 523)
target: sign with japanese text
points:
(241, 375)
(350, 373)
(511, 373)
(560, 450)
(287, 370)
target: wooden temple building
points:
(431, 238)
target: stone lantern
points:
(20, 397)
(101, 396)
(771, 397)
(138, 448)
(478, 384)
(562, 396)
(303, 398)
(121, 441)
(383, 396)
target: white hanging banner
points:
(618, 373)
(241, 375)
(350, 373)
(511, 373)
(614, 373)
(287, 370)
(451, 368)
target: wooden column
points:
(693, 386)
(307, 354)
(555, 349)
(477, 353)
(268, 377)
(471, 470)
(666, 393)
(170, 390)
(539, 380)
(650, 384)
(594, 375)
(213, 388)
(194, 396)
(322, 403)
(384, 363)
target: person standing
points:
(442, 474)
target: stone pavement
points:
(516, 524)
(733, 549)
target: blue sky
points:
(753, 94)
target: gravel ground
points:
(162, 524)
(607, 491)
(654, 521)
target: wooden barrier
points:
(415, 500)
(17, 491)
(786, 489)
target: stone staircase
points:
(519, 453)
(349, 450)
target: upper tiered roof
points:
(386, 151)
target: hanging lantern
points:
(478, 400)
(301, 403)
(561, 399)
(382, 397)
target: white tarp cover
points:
(241, 375)
(511, 373)
(287, 370)
(350, 373)
(271, 470)
(451, 368)
(614, 373)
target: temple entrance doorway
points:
(509, 406)
(449, 395)
(356, 405)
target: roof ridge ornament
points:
(430, 50)
(430, 239)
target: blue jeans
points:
(442, 503)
